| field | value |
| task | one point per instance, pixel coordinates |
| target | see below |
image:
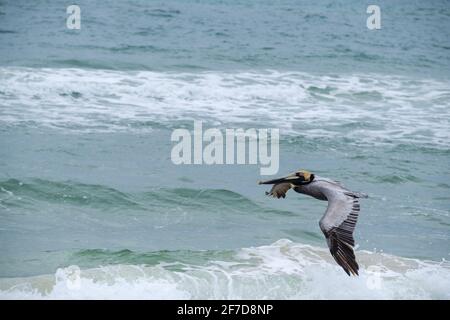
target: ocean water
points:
(91, 205)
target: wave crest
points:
(283, 270)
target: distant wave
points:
(283, 270)
(16, 193)
(354, 109)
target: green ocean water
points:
(86, 178)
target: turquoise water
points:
(85, 173)
(229, 35)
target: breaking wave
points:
(283, 270)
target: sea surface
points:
(91, 205)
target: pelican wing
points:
(338, 224)
(279, 190)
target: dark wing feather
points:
(338, 225)
(279, 190)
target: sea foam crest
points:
(283, 270)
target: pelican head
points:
(300, 177)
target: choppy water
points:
(85, 173)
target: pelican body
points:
(339, 220)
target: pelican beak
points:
(290, 178)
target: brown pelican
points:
(339, 220)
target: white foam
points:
(283, 270)
(396, 108)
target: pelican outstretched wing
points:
(338, 224)
(279, 190)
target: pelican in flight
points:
(339, 220)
